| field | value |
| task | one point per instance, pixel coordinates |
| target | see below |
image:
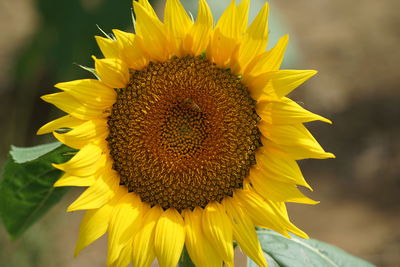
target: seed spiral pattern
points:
(183, 133)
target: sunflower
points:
(186, 138)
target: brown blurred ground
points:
(354, 45)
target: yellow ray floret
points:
(67, 122)
(169, 238)
(124, 224)
(177, 23)
(153, 33)
(280, 168)
(112, 72)
(218, 230)
(108, 47)
(196, 242)
(91, 131)
(71, 105)
(143, 252)
(97, 195)
(198, 37)
(244, 232)
(73, 180)
(92, 93)
(268, 60)
(256, 38)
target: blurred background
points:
(353, 44)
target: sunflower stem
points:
(185, 260)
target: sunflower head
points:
(186, 138)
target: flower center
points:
(183, 133)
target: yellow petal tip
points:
(73, 207)
(57, 166)
(57, 184)
(40, 131)
(313, 202)
(330, 156)
(323, 119)
(57, 85)
(45, 98)
(309, 73)
(77, 251)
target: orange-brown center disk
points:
(183, 133)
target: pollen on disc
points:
(183, 133)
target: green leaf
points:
(24, 154)
(26, 190)
(297, 252)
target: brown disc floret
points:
(183, 133)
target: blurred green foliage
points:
(63, 37)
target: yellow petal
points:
(256, 38)
(291, 227)
(169, 238)
(177, 23)
(296, 152)
(285, 81)
(147, 6)
(64, 122)
(124, 39)
(257, 209)
(196, 41)
(260, 88)
(200, 250)
(131, 49)
(228, 22)
(281, 214)
(268, 61)
(292, 135)
(92, 131)
(285, 111)
(95, 224)
(278, 191)
(224, 46)
(112, 72)
(218, 230)
(97, 195)
(143, 245)
(71, 105)
(223, 50)
(108, 47)
(152, 31)
(272, 164)
(225, 42)
(123, 225)
(244, 232)
(282, 207)
(242, 14)
(72, 180)
(84, 163)
(267, 213)
(125, 256)
(282, 82)
(90, 92)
